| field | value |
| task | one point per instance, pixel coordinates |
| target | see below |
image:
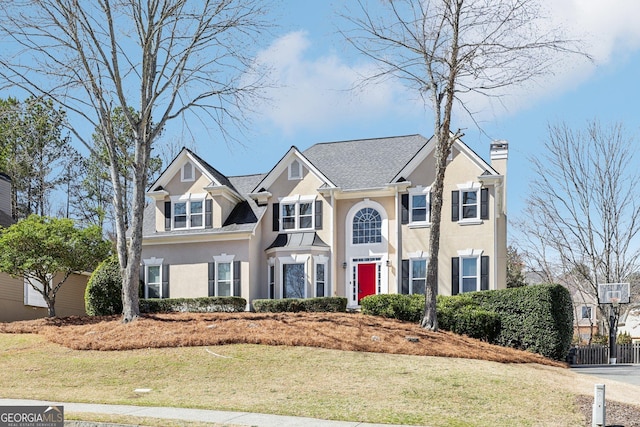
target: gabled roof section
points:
(364, 163)
(216, 178)
(483, 167)
(282, 166)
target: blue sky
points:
(315, 70)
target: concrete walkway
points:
(202, 415)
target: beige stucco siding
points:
(188, 265)
(188, 280)
(69, 300)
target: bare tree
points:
(583, 215)
(160, 58)
(444, 49)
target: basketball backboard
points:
(613, 293)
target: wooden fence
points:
(599, 355)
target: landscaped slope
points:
(340, 331)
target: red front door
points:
(366, 280)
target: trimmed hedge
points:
(463, 316)
(535, 318)
(103, 295)
(294, 305)
(408, 308)
(193, 305)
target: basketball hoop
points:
(615, 302)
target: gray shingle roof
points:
(364, 163)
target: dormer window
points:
(188, 211)
(295, 170)
(187, 173)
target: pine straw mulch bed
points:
(339, 331)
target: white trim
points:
(294, 259)
(223, 259)
(188, 199)
(474, 254)
(295, 175)
(470, 252)
(283, 163)
(296, 201)
(152, 262)
(411, 278)
(324, 261)
(192, 178)
(469, 187)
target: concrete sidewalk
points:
(203, 415)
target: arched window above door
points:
(367, 226)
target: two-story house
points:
(348, 219)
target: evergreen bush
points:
(408, 308)
(294, 305)
(103, 294)
(535, 318)
(193, 305)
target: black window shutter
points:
(212, 279)
(484, 203)
(236, 279)
(404, 201)
(318, 214)
(167, 216)
(455, 205)
(142, 284)
(455, 276)
(208, 213)
(272, 282)
(276, 217)
(404, 286)
(165, 280)
(484, 273)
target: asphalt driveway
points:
(629, 374)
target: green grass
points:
(327, 384)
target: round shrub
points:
(103, 295)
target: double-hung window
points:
(224, 276)
(418, 278)
(321, 280)
(154, 276)
(470, 204)
(224, 279)
(297, 213)
(419, 205)
(586, 312)
(188, 212)
(469, 276)
(470, 271)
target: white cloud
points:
(312, 93)
(314, 90)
